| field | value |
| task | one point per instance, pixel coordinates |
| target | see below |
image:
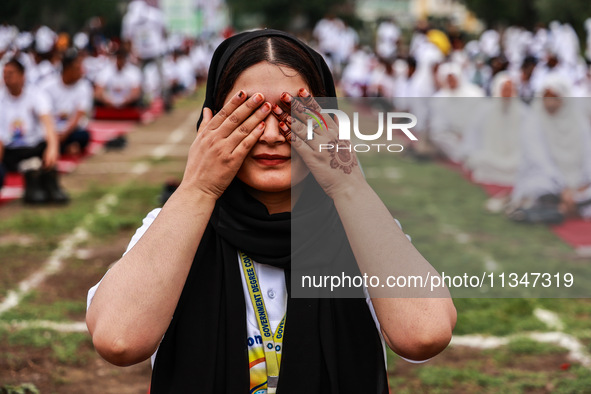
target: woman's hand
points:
(332, 161)
(222, 143)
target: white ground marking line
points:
(490, 264)
(55, 261)
(576, 350)
(66, 248)
(479, 341)
(549, 318)
(140, 168)
(11, 192)
(45, 324)
(174, 138)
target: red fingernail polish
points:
(258, 98)
(241, 94)
(303, 92)
(277, 109)
(286, 97)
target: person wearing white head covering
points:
(453, 84)
(491, 146)
(556, 154)
(387, 36)
(539, 43)
(81, 40)
(490, 43)
(45, 39)
(143, 29)
(452, 109)
(357, 74)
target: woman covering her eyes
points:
(205, 286)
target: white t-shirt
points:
(36, 73)
(94, 65)
(19, 123)
(67, 100)
(118, 84)
(273, 289)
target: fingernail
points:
(285, 131)
(241, 94)
(277, 109)
(286, 97)
(258, 98)
(266, 107)
(303, 92)
(261, 125)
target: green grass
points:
(65, 348)
(48, 225)
(444, 214)
(32, 307)
(435, 204)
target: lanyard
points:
(272, 343)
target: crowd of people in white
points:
(510, 106)
(52, 82)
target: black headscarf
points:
(331, 345)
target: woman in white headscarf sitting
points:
(453, 108)
(491, 147)
(554, 179)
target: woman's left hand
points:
(332, 161)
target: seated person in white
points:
(119, 85)
(556, 152)
(491, 146)
(27, 133)
(179, 71)
(70, 96)
(453, 108)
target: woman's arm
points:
(134, 304)
(415, 328)
(416, 323)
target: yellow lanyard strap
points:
(272, 343)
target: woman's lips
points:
(271, 160)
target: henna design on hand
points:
(342, 157)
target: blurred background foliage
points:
(63, 15)
(528, 13)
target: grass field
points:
(42, 346)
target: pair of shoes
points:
(537, 214)
(41, 186)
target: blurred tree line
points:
(529, 13)
(289, 15)
(63, 15)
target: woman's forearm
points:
(415, 324)
(136, 299)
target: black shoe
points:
(34, 191)
(116, 143)
(51, 186)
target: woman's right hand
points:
(222, 143)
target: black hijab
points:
(331, 345)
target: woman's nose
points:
(272, 135)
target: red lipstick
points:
(267, 159)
